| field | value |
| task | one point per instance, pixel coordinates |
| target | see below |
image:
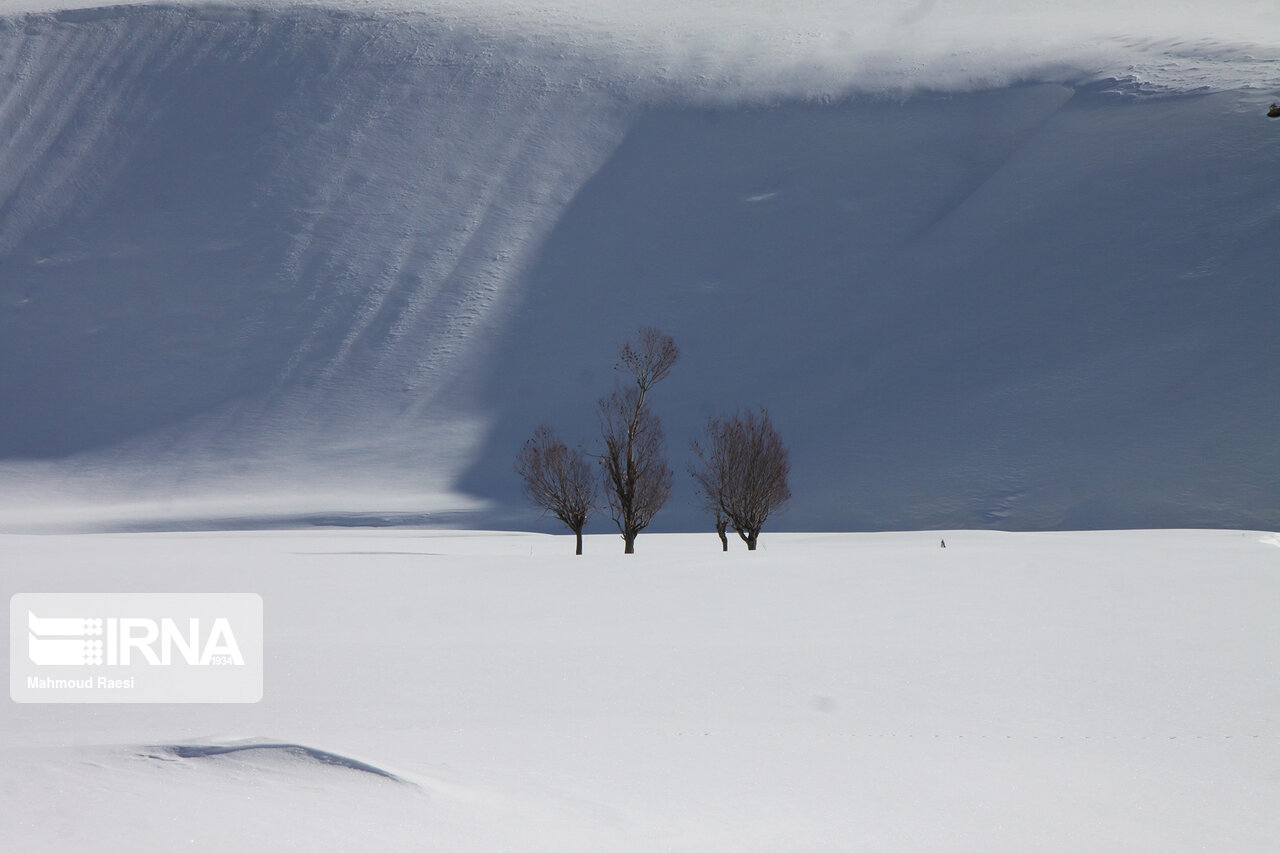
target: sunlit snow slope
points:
(310, 262)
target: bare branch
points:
(649, 359)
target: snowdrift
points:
(308, 262)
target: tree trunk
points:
(630, 540)
(721, 527)
(752, 536)
(578, 533)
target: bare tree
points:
(742, 474)
(558, 479)
(637, 475)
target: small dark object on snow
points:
(944, 543)
(1274, 112)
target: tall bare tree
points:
(742, 473)
(559, 480)
(638, 478)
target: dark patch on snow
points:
(297, 750)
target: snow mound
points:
(252, 750)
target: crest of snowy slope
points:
(265, 259)
(836, 45)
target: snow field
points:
(1086, 691)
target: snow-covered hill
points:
(290, 261)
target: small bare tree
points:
(637, 475)
(742, 474)
(559, 480)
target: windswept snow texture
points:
(307, 261)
